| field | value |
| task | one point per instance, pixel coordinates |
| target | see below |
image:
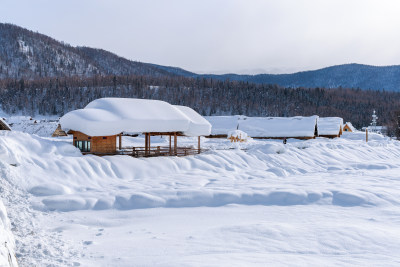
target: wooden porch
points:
(153, 151)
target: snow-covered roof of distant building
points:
(110, 116)
(377, 128)
(350, 125)
(198, 124)
(4, 125)
(329, 125)
(221, 125)
(274, 127)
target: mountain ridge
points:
(30, 55)
(351, 75)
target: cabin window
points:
(83, 146)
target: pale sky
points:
(219, 36)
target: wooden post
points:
(175, 143)
(170, 148)
(199, 143)
(366, 135)
(149, 143)
(146, 147)
(120, 141)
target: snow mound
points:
(61, 179)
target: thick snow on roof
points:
(350, 125)
(198, 124)
(110, 116)
(264, 126)
(329, 125)
(279, 126)
(223, 124)
(4, 125)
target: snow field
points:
(234, 235)
(317, 202)
(265, 174)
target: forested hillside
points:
(347, 75)
(207, 96)
(29, 55)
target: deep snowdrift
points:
(236, 203)
(62, 179)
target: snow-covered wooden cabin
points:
(4, 125)
(280, 127)
(330, 127)
(97, 127)
(348, 127)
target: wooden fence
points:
(156, 151)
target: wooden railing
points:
(159, 151)
(156, 151)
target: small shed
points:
(330, 127)
(348, 127)
(97, 127)
(280, 127)
(59, 132)
(4, 125)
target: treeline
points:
(56, 96)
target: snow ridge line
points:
(181, 199)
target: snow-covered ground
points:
(318, 202)
(40, 126)
(7, 242)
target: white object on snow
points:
(330, 125)
(110, 116)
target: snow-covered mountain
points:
(346, 76)
(27, 54)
